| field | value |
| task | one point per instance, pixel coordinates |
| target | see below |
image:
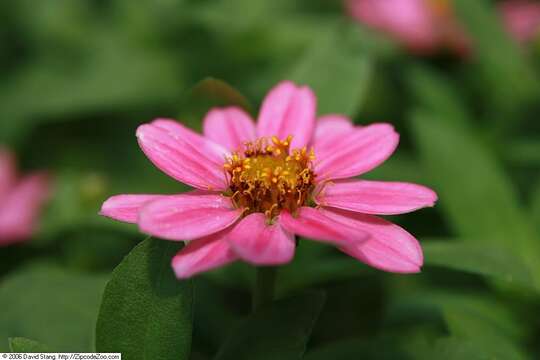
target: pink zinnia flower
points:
(423, 26)
(260, 184)
(521, 18)
(21, 200)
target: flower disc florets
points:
(266, 177)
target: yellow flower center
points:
(266, 177)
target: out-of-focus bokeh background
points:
(78, 77)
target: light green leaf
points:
(146, 312)
(499, 61)
(45, 91)
(476, 258)
(23, 345)
(484, 311)
(455, 348)
(475, 193)
(338, 69)
(278, 331)
(52, 306)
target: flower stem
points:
(263, 292)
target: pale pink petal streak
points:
(202, 255)
(187, 216)
(259, 243)
(288, 110)
(126, 207)
(329, 129)
(230, 127)
(20, 208)
(389, 247)
(183, 154)
(375, 197)
(315, 224)
(358, 152)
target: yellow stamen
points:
(265, 178)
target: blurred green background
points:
(79, 76)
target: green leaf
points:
(523, 152)
(279, 331)
(484, 311)
(209, 93)
(536, 206)
(470, 256)
(52, 306)
(499, 60)
(146, 78)
(456, 348)
(477, 196)
(316, 263)
(436, 92)
(338, 69)
(357, 349)
(146, 312)
(23, 345)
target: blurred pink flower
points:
(423, 26)
(521, 18)
(21, 200)
(254, 193)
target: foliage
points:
(79, 77)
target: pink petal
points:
(229, 127)
(521, 18)
(126, 207)
(375, 197)
(8, 172)
(187, 216)
(408, 21)
(316, 225)
(202, 255)
(183, 154)
(288, 110)
(261, 244)
(389, 247)
(20, 209)
(359, 151)
(329, 129)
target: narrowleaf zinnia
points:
(257, 185)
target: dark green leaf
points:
(523, 152)
(435, 92)
(146, 312)
(52, 306)
(357, 349)
(279, 331)
(535, 205)
(22, 345)
(338, 69)
(315, 263)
